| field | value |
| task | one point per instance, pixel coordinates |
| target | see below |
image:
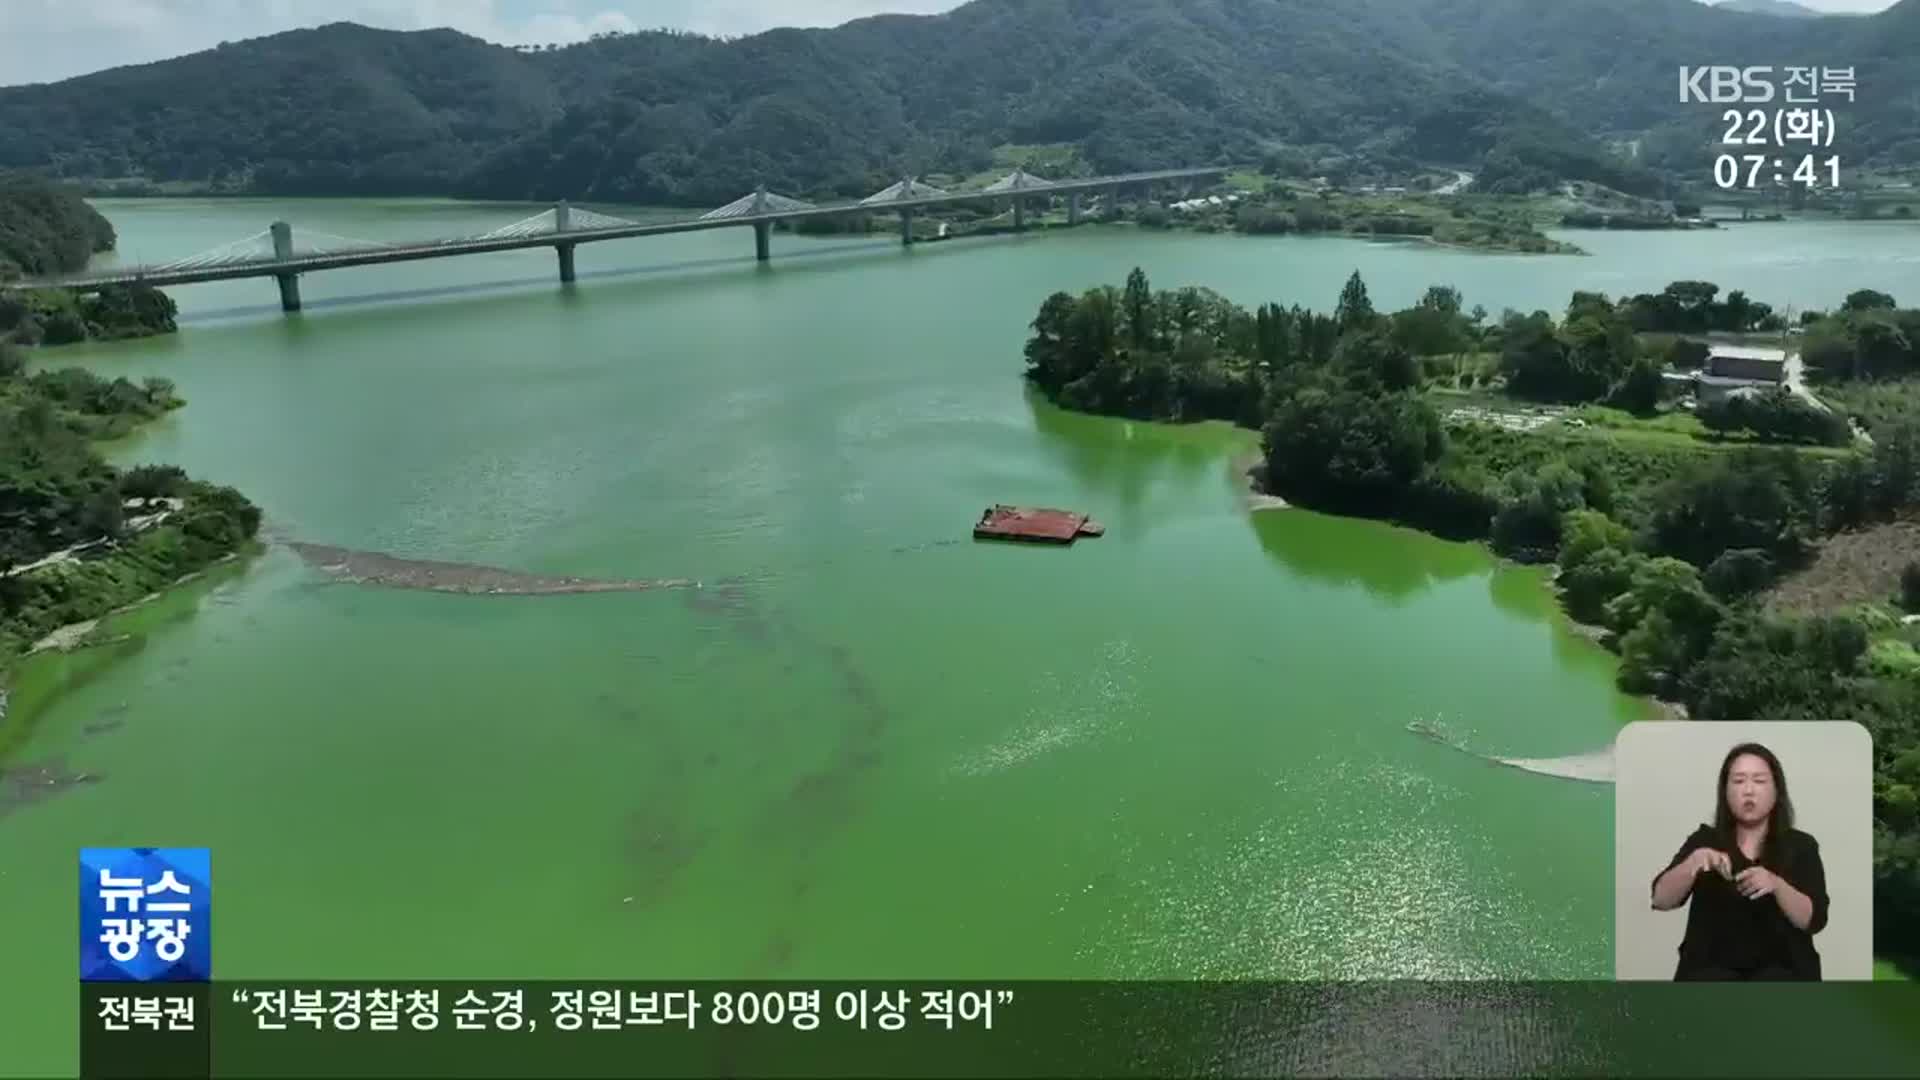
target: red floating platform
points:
(1034, 525)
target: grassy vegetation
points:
(1636, 468)
(1878, 404)
(1677, 423)
(1251, 181)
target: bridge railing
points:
(591, 231)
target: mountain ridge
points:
(1783, 8)
(671, 117)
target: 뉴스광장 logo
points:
(145, 915)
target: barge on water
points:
(1034, 525)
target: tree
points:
(1346, 447)
(1737, 313)
(1374, 358)
(1739, 573)
(1847, 497)
(1828, 344)
(1050, 359)
(1531, 354)
(1598, 352)
(1640, 389)
(1354, 309)
(1138, 302)
(1880, 349)
(1589, 585)
(1442, 298)
(1764, 499)
(1910, 586)
(153, 481)
(1651, 653)
(1585, 533)
(1668, 601)
(1529, 520)
(1693, 303)
(1867, 300)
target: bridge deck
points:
(440, 249)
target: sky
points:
(47, 40)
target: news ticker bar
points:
(908, 1030)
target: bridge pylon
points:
(562, 221)
(283, 250)
(762, 230)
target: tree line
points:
(1670, 551)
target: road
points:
(1455, 186)
(1796, 372)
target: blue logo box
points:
(145, 915)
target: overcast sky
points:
(45, 40)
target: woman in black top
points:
(1758, 888)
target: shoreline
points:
(1252, 472)
(75, 637)
(1249, 467)
(72, 636)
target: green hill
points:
(46, 228)
(1128, 84)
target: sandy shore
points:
(1250, 467)
(65, 637)
(1595, 767)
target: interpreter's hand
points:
(1719, 862)
(1756, 881)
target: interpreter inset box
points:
(1743, 851)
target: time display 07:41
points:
(1749, 170)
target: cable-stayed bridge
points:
(282, 253)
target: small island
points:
(1751, 551)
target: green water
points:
(865, 750)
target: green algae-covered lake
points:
(867, 747)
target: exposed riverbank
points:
(378, 568)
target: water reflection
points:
(1389, 562)
(1517, 591)
(1129, 460)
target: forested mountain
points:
(1539, 84)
